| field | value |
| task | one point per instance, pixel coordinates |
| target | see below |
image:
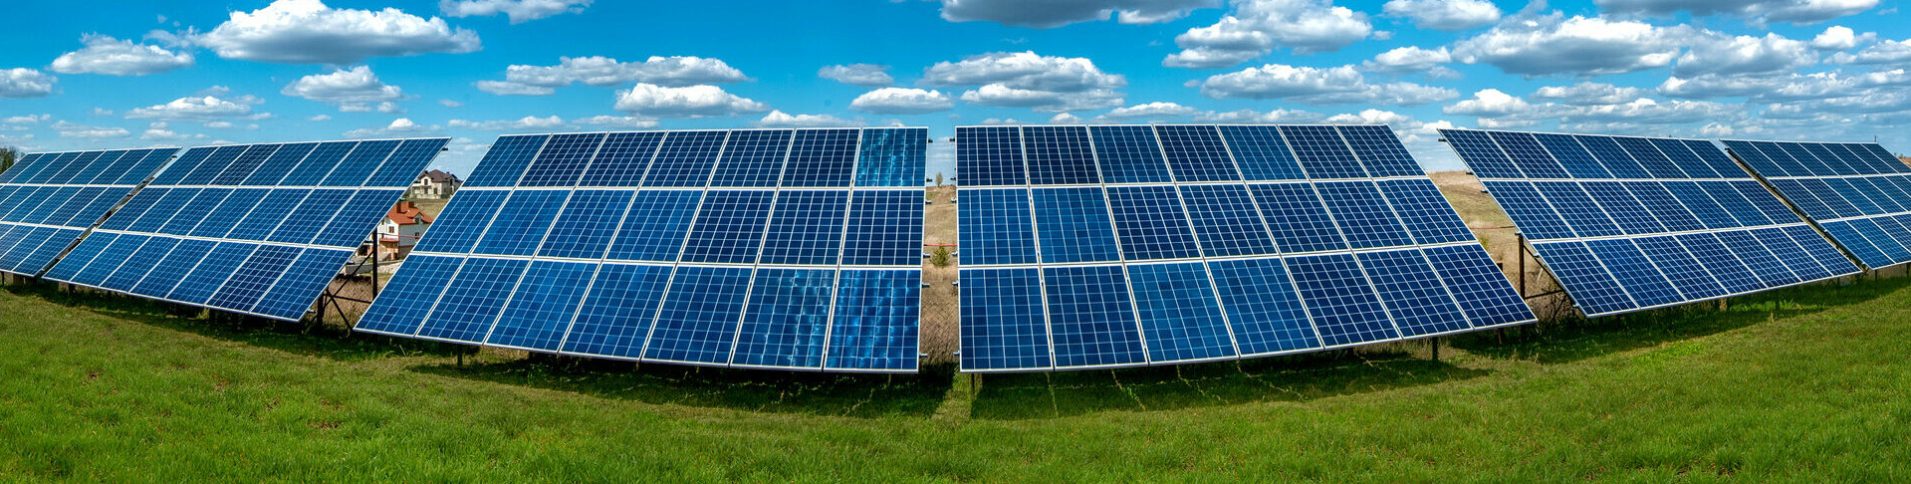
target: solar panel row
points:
(49, 200)
(1628, 223)
(249, 229)
(1109, 246)
(788, 249)
(1858, 193)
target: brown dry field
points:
(941, 335)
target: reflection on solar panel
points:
(1112, 246)
(49, 200)
(1857, 192)
(248, 229)
(1629, 224)
(785, 249)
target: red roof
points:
(407, 213)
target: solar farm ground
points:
(1801, 383)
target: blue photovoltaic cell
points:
(1795, 258)
(1719, 261)
(1473, 279)
(990, 157)
(1584, 277)
(407, 163)
(1527, 154)
(807, 228)
(1178, 312)
(359, 165)
(212, 273)
(892, 158)
(1631, 215)
(753, 159)
(729, 227)
(562, 161)
(1322, 153)
(1297, 218)
(1262, 307)
(1343, 304)
(1380, 151)
(1849, 190)
(1534, 215)
(320, 162)
(1639, 275)
(1128, 154)
(784, 323)
(1003, 324)
(1226, 219)
(587, 226)
(1074, 225)
(44, 190)
(622, 160)
(305, 222)
(505, 162)
(822, 158)
(1572, 156)
(1415, 296)
(698, 322)
(473, 299)
(1363, 215)
(1612, 157)
(254, 277)
(1261, 153)
(402, 307)
(1759, 258)
(1685, 272)
(686, 159)
(170, 271)
(1664, 206)
(654, 229)
(615, 319)
(1059, 156)
(1150, 221)
(292, 295)
(520, 226)
(1482, 154)
(877, 314)
(1195, 154)
(130, 273)
(1426, 213)
(885, 228)
(996, 227)
(461, 224)
(542, 305)
(1091, 317)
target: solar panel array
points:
(1857, 192)
(1112, 246)
(785, 249)
(249, 229)
(1628, 224)
(49, 200)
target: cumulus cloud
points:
(27, 119)
(869, 75)
(1553, 44)
(22, 82)
(1886, 52)
(1023, 13)
(1029, 80)
(1156, 109)
(901, 100)
(1839, 37)
(1257, 27)
(1064, 118)
(1796, 11)
(309, 32)
(779, 119)
(115, 57)
(354, 90)
(1589, 107)
(1719, 54)
(397, 127)
(673, 71)
(1588, 93)
(79, 131)
(1252, 116)
(199, 107)
(519, 11)
(1489, 103)
(1444, 14)
(524, 123)
(1316, 85)
(1412, 59)
(692, 101)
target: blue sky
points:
(112, 74)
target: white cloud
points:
(1839, 37)
(1552, 44)
(397, 127)
(524, 123)
(1714, 53)
(779, 119)
(309, 32)
(23, 82)
(674, 71)
(1042, 14)
(27, 119)
(70, 130)
(857, 74)
(1152, 110)
(197, 107)
(519, 11)
(1796, 11)
(450, 103)
(160, 131)
(1588, 93)
(1257, 27)
(1489, 103)
(693, 101)
(1316, 85)
(1412, 59)
(1371, 116)
(115, 57)
(1252, 116)
(1029, 80)
(1444, 14)
(1064, 118)
(354, 90)
(319, 118)
(619, 121)
(902, 100)
(1886, 52)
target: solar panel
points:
(1628, 224)
(258, 229)
(1116, 246)
(48, 201)
(776, 249)
(1856, 192)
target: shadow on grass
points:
(330, 342)
(858, 396)
(1578, 339)
(1295, 378)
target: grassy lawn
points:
(1808, 383)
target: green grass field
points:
(1802, 384)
